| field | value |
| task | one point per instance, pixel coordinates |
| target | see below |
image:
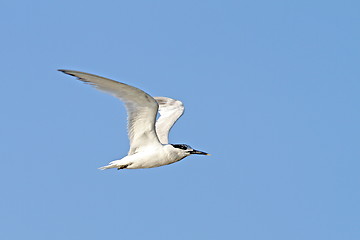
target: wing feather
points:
(170, 111)
(141, 108)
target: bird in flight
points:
(149, 146)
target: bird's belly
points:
(150, 161)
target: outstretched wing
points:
(170, 110)
(141, 108)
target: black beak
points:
(198, 152)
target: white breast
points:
(154, 157)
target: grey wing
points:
(170, 111)
(141, 108)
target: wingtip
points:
(64, 71)
(69, 72)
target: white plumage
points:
(149, 145)
(170, 111)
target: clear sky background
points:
(271, 90)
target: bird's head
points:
(187, 150)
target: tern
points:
(149, 145)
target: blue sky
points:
(271, 90)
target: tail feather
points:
(107, 167)
(114, 164)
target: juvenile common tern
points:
(149, 146)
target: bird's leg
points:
(123, 166)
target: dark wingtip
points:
(64, 71)
(70, 72)
(67, 72)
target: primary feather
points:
(141, 108)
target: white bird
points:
(149, 145)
